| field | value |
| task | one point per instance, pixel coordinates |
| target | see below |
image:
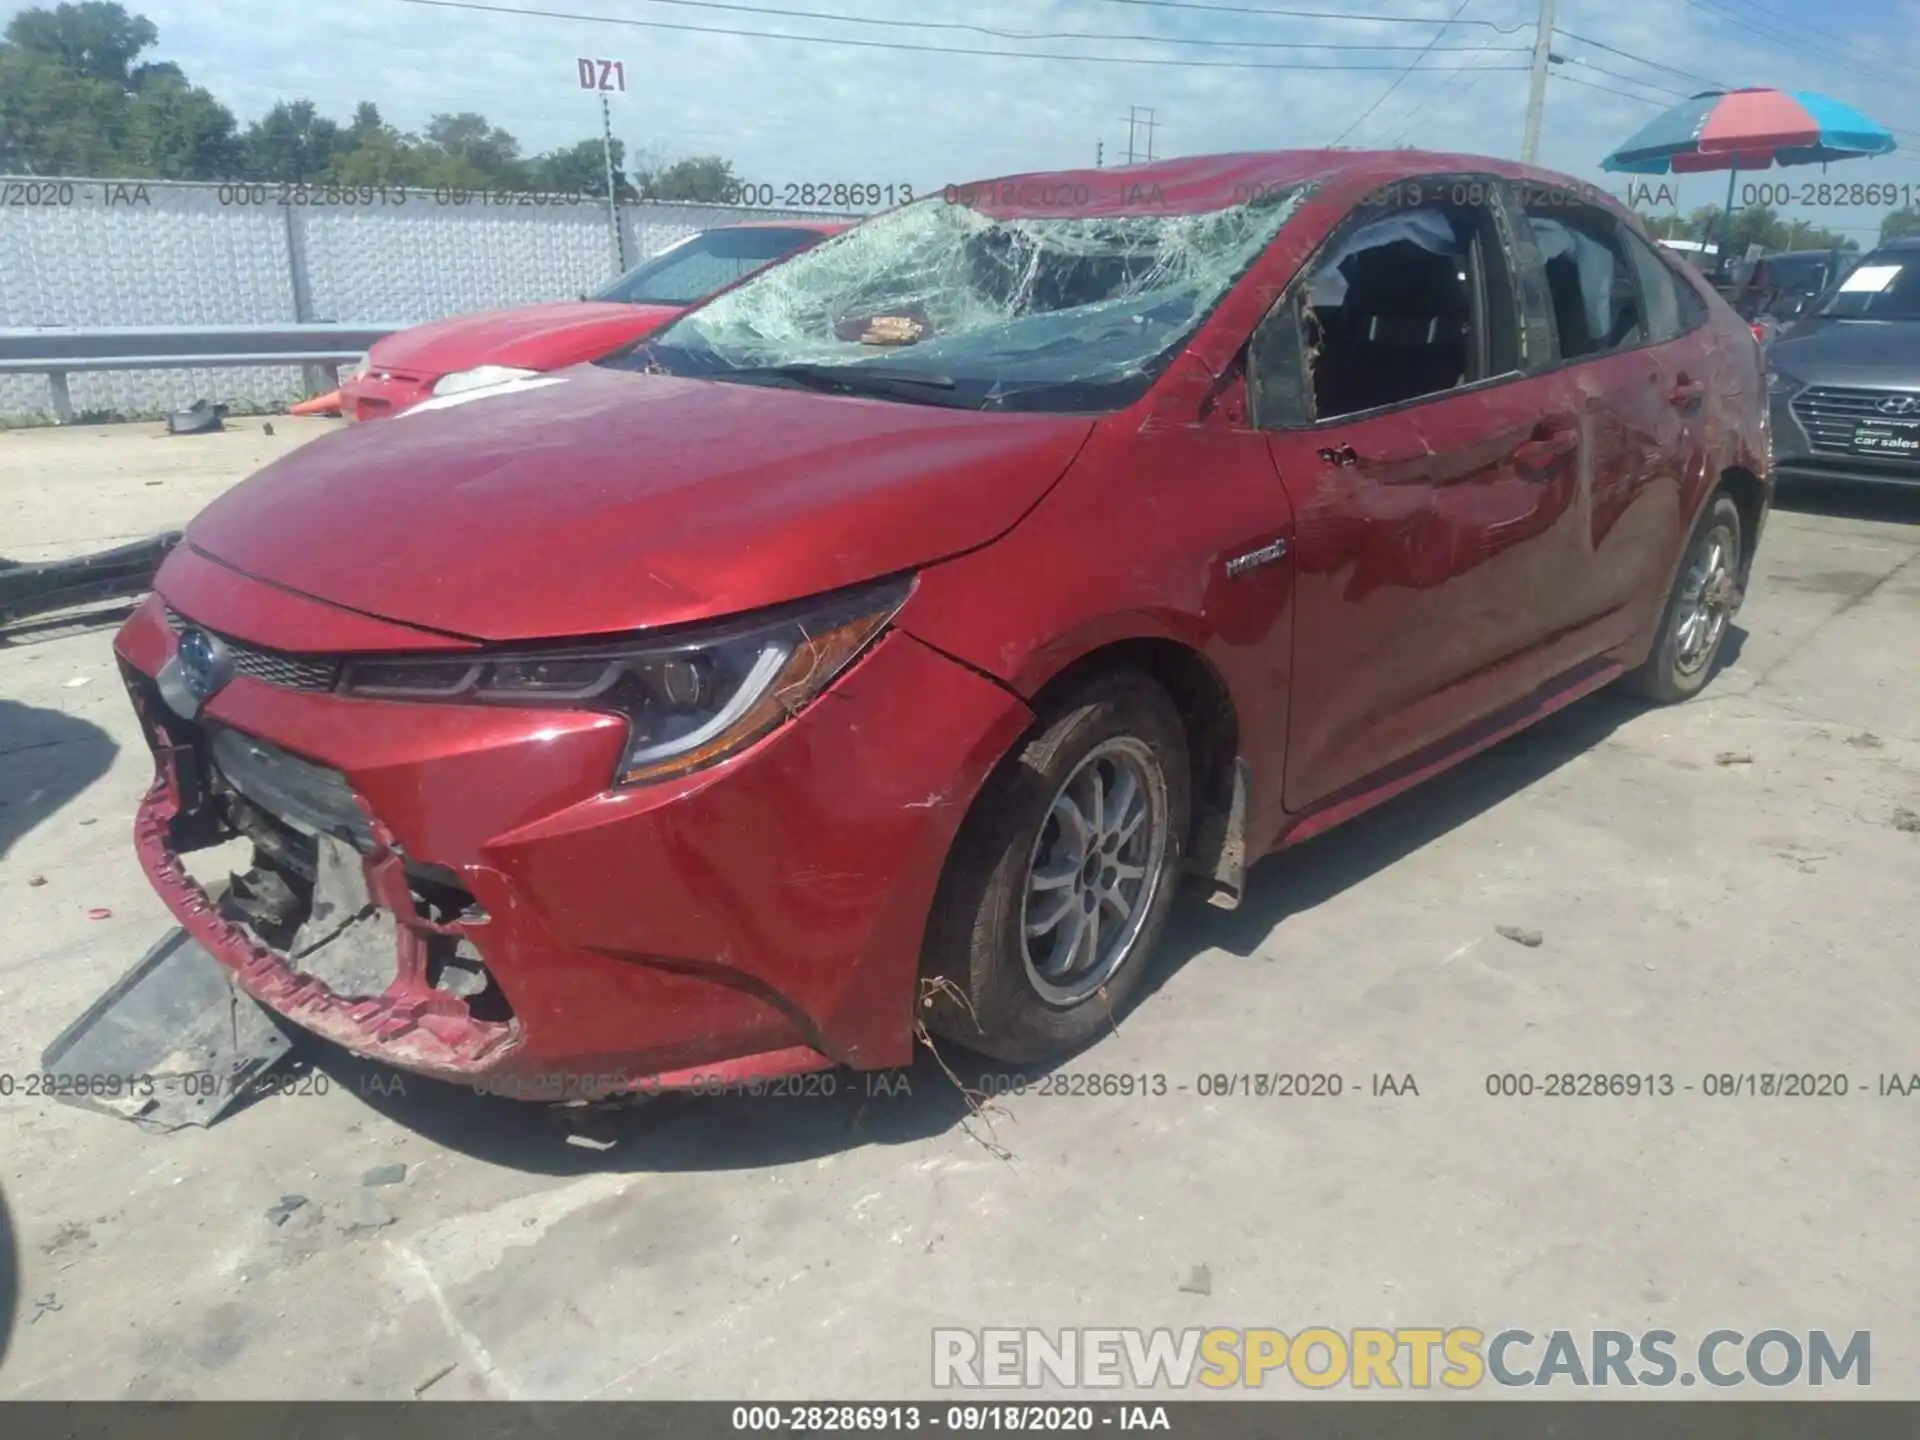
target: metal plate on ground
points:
(172, 1043)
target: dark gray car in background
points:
(1844, 378)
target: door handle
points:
(1686, 393)
(1342, 455)
(1544, 448)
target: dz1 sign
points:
(602, 74)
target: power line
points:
(1608, 89)
(1795, 43)
(1629, 55)
(1406, 120)
(539, 14)
(1746, 26)
(783, 13)
(1346, 16)
(1615, 74)
(1801, 24)
(1401, 77)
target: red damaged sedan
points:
(469, 351)
(891, 637)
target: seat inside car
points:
(1402, 330)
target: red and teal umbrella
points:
(1751, 129)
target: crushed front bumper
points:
(755, 919)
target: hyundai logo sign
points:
(1899, 405)
(201, 665)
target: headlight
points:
(1781, 383)
(688, 701)
(478, 376)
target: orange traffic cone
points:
(327, 404)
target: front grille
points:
(1829, 413)
(291, 672)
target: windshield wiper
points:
(851, 379)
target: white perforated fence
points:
(105, 252)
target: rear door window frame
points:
(1539, 296)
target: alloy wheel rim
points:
(1706, 602)
(1094, 871)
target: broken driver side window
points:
(1396, 307)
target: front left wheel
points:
(1061, 879)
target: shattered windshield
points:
(937, 303)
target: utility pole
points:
(613, 199)
(1537, 85)
(1137, 116)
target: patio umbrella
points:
(1749, 129)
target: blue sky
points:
(791, 111)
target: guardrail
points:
(57, 351)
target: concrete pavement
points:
(1720, 888)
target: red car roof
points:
(1198, 183)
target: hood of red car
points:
(532, 337)
(601, 500)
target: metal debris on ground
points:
(1198, 1282)
(389, 1174)
(370, 1212)
(1865, 740)
(1733, 757)
(200, 418)
(177, 1018)
(1905, 820)
(51, 586)
(280, 1211)
(1529, 938)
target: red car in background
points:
(468, 351)
(887, 639)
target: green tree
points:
(1900, 222)
(292, 142)
(76, 98)
(1805, 235)
(468, 149)
(581, 169)
(1669, 227)
(94, 40)
(178, 131)
(54, 122)
(65, 75)
(699, 177)
(376, 153)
